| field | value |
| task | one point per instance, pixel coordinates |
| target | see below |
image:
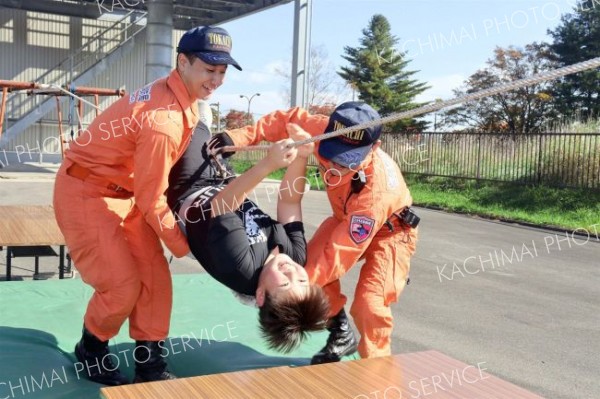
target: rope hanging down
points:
(542, 77)
(68, 92)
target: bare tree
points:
(517, 112)
(324, 85)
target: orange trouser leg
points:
(109, 258)
(382, 279)
(332, 289)
(150, 318)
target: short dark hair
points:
(191, 58)
(284, 323)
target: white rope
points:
(517, 84)
(57, 87)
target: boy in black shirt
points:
(244, 248)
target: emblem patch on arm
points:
(361, 228)
(144, 94)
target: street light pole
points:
(218, 116)
(249, 102)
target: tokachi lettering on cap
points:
(352, 148)
(211, 44)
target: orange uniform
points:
(110, 205)
(362, 227)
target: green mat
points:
(211, 332)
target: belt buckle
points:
(114, 187)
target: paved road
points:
(522, 303)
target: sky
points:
(446, 41)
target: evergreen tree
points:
(577, 39)
(378, 72)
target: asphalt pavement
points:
(520, 303)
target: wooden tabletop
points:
(22, 225)
(429, 375)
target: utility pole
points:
(249, 115)
(218, 105)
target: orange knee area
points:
(371, 312)
(126, 293)
(374, 322)
(108, 309)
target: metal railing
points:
(94, 50)
(553, 159)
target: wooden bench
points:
(30, 230)
(429, 375)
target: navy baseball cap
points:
(352, 148)
(212, 45)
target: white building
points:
(113, 44)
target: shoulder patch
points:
(361, 228)
(144, 94)
(141, 95)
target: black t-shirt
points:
(233, 247)
(194, 169)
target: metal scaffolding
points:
(33, 88)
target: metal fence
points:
(554, 159)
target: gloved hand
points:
(220, 140)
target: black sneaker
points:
(341, 341)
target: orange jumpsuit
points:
(110, 205)
(357, 230)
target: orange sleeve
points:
(154, 156)
(347, 241)
(272, 127)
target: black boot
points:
(96, 364)
(150, 364)
(341, 341)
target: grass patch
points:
(240, 166)
(540, 205)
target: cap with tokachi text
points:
(211, 44)
(352, 148)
